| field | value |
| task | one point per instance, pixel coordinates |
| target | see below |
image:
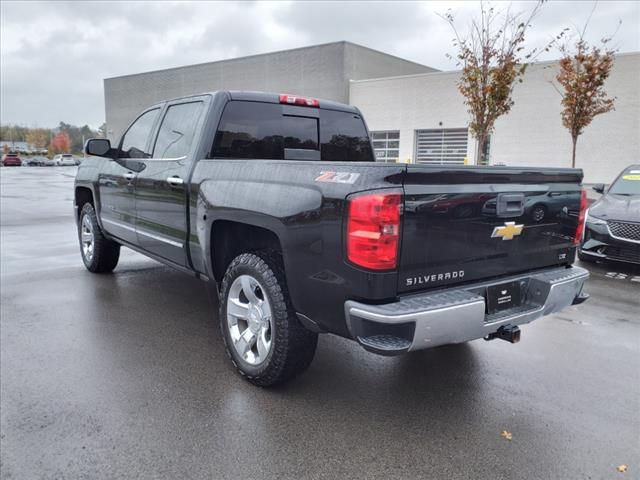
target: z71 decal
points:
(338, 177)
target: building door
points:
(442, 146)
(386, 145)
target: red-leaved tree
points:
(60, 143)
(493, 59)
(583, 71)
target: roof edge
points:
(227, 60)
(339, 42)
(445, 72)
(347, 42)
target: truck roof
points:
(275, 98)
(267, 97)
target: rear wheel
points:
(262, 334)
(99, 254)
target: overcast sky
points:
(55, 54)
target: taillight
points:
(373, 230)
(296, 100)
(581, 217)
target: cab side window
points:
(177, 130)
(134, 142)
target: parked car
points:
(64, 160)
(612, 227)
(278, 200)
(36, 161)
(12, 160)
(48, 162)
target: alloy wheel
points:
(249, 319)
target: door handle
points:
(175, 181)
(129, 176)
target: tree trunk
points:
(479, 150)
(573, 152)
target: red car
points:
(12, 160)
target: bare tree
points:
(583, 71)
(492, 58)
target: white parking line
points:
(623, 276)
(620, 276)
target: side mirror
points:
(599, 187)
(99, 147)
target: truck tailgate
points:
(469, 223)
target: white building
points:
(414, 111)
(422, 118)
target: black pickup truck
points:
(277, 199)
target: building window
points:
(442, 146)
(386, 145)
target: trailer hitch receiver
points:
(510, 333)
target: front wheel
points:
(99, 254)
(262, 335)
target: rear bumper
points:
(458, 315)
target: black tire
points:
(106, 252)
(292, 345)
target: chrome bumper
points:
(459, 314)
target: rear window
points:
(343, 137)
(274, 132)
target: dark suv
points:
(612, 227)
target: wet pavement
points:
(125, 376)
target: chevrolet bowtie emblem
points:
(508, 231)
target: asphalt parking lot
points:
(125, 376)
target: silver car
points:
(65, 160)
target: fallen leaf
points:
(509, 436)
(622, 468)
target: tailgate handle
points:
(510, 205)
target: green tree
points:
(13, 133)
